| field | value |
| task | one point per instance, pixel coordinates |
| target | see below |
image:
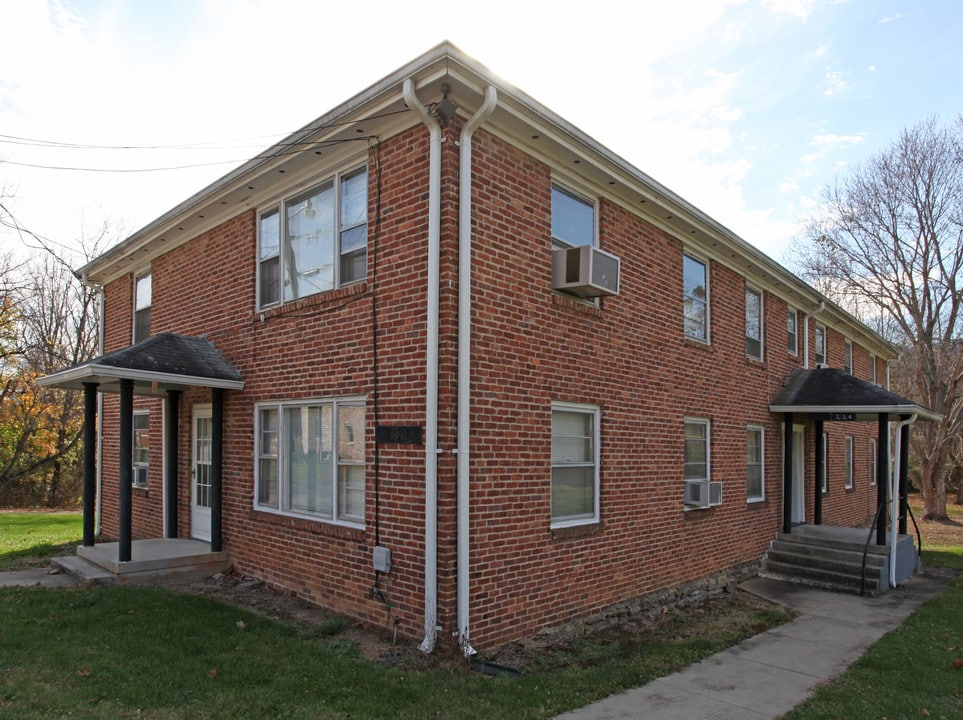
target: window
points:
(848, 357)
(753, 323)
(306, 463)
(872, 370)
(573, 219)
(315, 241)
(575, 464)
(820, 345)
(872, 461)
(696, 450)
(824, 480)
(755, 452)
(695, 298)
(848, 472)
(142, 302)
(793, 334)
(141, 450)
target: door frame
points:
(198, 412)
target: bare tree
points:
(888, 240)
(49, 321)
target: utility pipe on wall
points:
(464, 361)
(894, 498)
(431, 367)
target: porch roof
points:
(839, 395)
(162, 362)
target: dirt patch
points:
(737, 614)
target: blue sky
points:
(746, 109)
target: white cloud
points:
(796, 8)
(837, 140)
(835, 82)
(890, 19)
(788, 186)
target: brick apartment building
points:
(441, 351)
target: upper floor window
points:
(315, 241)
(820, 345)
(792, 320)
(309, 463)
(142, 302)
(573, 219)
(141, 449)
(848, 357)
(695, 290)
(575, 464)
(753, 323)
(755, 452)
(872, 368)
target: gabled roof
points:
(165, 361)
(835, 393)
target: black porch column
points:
(125, 474)
(903, 474)
(90, 461)
(787, 463)
(170, 461)
(217, 438)
(819, 469)
(882, 475)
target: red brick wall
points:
(530, 347)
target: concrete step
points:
(834, 543)
(822, 578)
(823, 556)
(86, 573)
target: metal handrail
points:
(919, 536)
(872, 529)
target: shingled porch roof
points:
(837, 394)
(162, 362)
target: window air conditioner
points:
(585, 271)
(822, 366)
(699, 493)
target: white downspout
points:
(822, 306)
(464, 361)
(894, 499)
(431, 368)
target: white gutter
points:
(822, 306)
(464, 361)
(894, 499)
(431, 368)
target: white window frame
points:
(280, 210)
(819, 357)
(337, 515)
(140, 471)
(138, 305)
(595, 412)
(825, 478)
(848, 483)
(762, 332)
(848, 356)
(792, 337)
(707, 425)
(872, 369)
(686, 298)
(872, 461)
(761, 464)
(562, 188)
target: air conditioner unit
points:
(702, 494)
(585, 271)
(822, 366)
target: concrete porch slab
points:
(152, 562)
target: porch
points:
(153, 562)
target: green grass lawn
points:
(30, 539)
(119, 652)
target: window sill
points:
(755, 501)
(318, 526)
(573, 532)
(318, 300)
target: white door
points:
(798, 474)
(201, 474)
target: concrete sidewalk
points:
(771, 673)
(36, 577)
